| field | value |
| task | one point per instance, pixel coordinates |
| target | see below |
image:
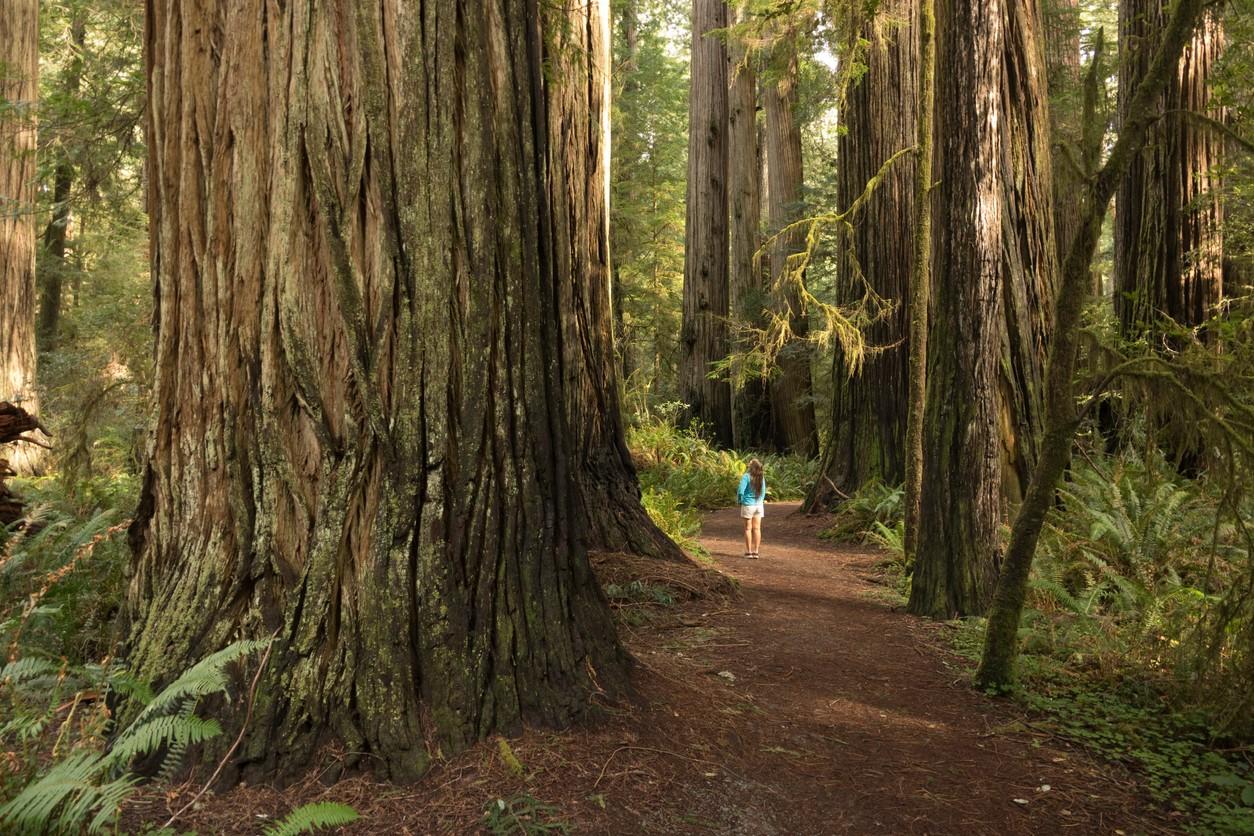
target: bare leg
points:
(748, 536)
(757, 534)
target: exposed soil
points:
(804, 703)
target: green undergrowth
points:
(1205, 781)
(875, 515)
(681, 475)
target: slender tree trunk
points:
(706, 305)
(920, 276)
(56, 233)
(1001, 646)
(372, 228)
(791, 390)
(19, 88)
(1168, 213)
(961, 505)
(751, 406)
(881, 114)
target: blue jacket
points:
(746, 495)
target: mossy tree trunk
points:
(19, 91)
(372, 230)
(704, 337)
(791, 388)
(881, 113)
(961, 505)
(1168, 213)
(920, 287)
(1001, 645)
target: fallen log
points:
(15, 423)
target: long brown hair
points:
(755, 477)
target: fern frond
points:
(309, 818)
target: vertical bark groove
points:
(371, 262)
(704, 338)
(19, 89)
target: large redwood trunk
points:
(869, 409)
(791, 390)
(19, 90)
(1030, 265)
(371, 230)
(1168, 213)
(961, 504)
(706, 305)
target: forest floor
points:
(805, 702)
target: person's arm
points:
(743, 490)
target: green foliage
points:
(85, 787)
(683, 464)
(310, 818)
(681, 475)
(522, 815)
(648, 192)
(874, 503)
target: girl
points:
(752, 497)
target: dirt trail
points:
(872, 717)
(803, 704)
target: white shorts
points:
(748, 512)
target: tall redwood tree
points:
(373, 231)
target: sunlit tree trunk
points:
(961, 504)
(704, 338)
(1168, 213)
(791, 389)
(19, 89)
(881, 113)
(750, 400)
(372, 228)
(996, 270)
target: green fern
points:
(309, 818)
(79, 791)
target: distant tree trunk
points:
(19, 87)
(881, 115)
(961, 504)
(751, 406)
(706, 305)
(1030, 268)
(791, 390)
(1168, 213)
(366, 247)
(1061, 20)
(56, 233)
